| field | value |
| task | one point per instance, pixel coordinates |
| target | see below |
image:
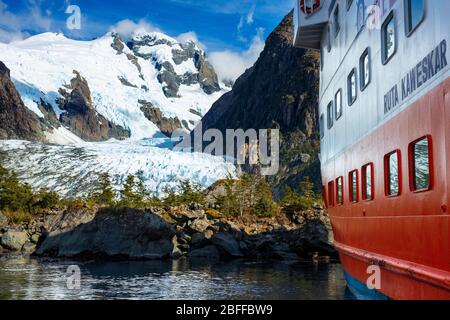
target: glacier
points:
(71, 170)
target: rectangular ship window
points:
(420, 162)
(331, 194)
(364, 67)
(353, 186)
(352, 87)
(330, 115)
(368, 185)
(388, 38)
(338, 104)
(340, 191)
(392, 167)
(414, 13)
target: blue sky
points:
(218, 24)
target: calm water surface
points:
(28, 278)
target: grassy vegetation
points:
(249, 195)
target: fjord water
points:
(22, 277)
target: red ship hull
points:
(407, 236)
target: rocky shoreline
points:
(131, 234)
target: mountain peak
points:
(153, 38)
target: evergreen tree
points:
(289, 197)
(229, 203)
(47, 199)
(307, 188)
(190, 193)
(127, 194)
(104, 193)
(141, 196)
(265, 205)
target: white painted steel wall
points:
(368, 112)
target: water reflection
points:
(25, 278)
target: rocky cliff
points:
(279, 91)
(16, 121)
(81, 117)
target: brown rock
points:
(82, 118)
(16, 120)
(166, 125)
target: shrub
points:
(18, 217)
(47, 200)
(14, 195)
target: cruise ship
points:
(385, 139)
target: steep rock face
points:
(81, 117)
(165, 124)
(16, 121)
(177, 63)
(279, 91)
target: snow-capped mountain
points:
(88, 107)
(105, 88)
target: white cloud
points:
(250, 15)
(10, 36)
(240, 24)
(126, 28)
(190, 36)
(243, 21)
(230, 65)
(12, 25)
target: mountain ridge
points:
(130, 94)
(280, 92)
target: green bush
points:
(14, 195)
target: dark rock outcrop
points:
(153, 114)
(172, 233)
(16, 120)
(117, 44)
(280, 91)
(128, 234)
(81, 117)
(207, 76)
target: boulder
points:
(208, 252)
(192, 214)
(198, 239)
(14, 240)
(200, 225)
(315, 236)
(35, 238)
(227, 245)
(29, 247)
(120, 234)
